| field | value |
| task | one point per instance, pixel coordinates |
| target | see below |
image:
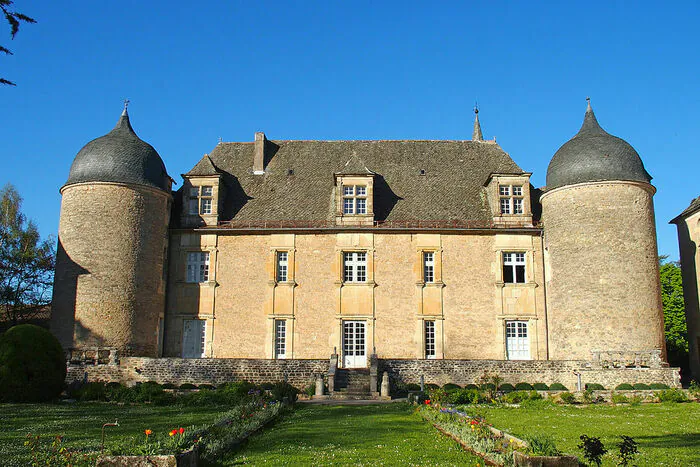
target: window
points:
(514, 268)
(282, 266)
(429, 339)
(355, 266)
(517, 342)
(280, 338)
(511, 197)
(193, 338)
(428, 266)
(200, 200)
(197, 267)
(354, 199)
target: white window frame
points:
(430, 339)
(354, 199)
(198, 267)
(201, 200)
(511, 199)
(428, 266)
(355, 266)
(516, 263)
(201, 339)
(517, 340)
(280, 344)
(282, 266)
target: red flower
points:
(173, 432)
(181, 430)
(148, 432)
(473, 422)
(427, 402)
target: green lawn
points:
(81, 423)
(668, 434)
(386, 434)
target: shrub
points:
(635, 401)
(541, 445)
(412, 387)
(517, 397)
(624, 387)
(188, 386)
(506, 387)
(640, 386)
(430, 386)
(310, 390)
(32, 365)
(451, 387)
(593, 449)
(694, 390)
(540, 387)
(207, 386)
(153, 392)
(595, 387)
(524, 387)
(628, 450)
(471, 386)
(657, 386)
(537, 404)
(437, 396)
(239, 389)
(557, 387)
(567, 398)
(92, 392)
(464, 396)
(618, 398)
(169, 386)
(672, 395)
(284, 392)
(267, 386)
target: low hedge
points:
(595, 387)
(524, 387)
(624, 387)
(557, 387)
(451, 387)
(540, 387)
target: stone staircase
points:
(352, 384)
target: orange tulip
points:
(148, 432)
(173, 432)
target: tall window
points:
(198, 267)
(200, 200)
(517, 342)
(354, 199)
(511, 199)
(428, 266)
(514, 268)
(193, 338)
(355, 266)
(429, 339)
(282, 266)
(280, 338)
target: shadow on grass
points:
(678, 440)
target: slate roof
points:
(452, 187)
(694, 207)
(204, 168)
(594, 155)
(119, 156)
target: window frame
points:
(354, 200)
(511, 199)
(514, 267)
(281, 266)
(280, 330)
(354, 267)
(428, 267)
(201, 200)
(198, 267)
(520, 330)
(429, 339)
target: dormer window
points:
(511, 199)
(201, 199)
(354, 199)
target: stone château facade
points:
(350, 253)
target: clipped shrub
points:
(624, 387)
(188, 386)
(32, 365)
(464, 396)
(211, 387)
(471, 386)
(169, 386)
(267, 386)
(641, 386)
(506, 387)
(672, 395)
(524, 387)
(412, 387)
(451, 387)
(657, 386)
(487, 387)
(152, 392)
(595, 387)
(115, 392)
(430, 386)
(567, 398)
(557, 387)
(540, 387)
(94, 391)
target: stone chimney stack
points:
(259, 156)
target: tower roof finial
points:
(476, 134)
(125, 113)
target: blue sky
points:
(351, 70)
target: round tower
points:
(603, 290)
(109, 288)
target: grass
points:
(668, 434)
(81, 423)
(386, 434)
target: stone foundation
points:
(301, 373)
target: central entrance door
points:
(354, 354)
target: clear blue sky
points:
(197, 71)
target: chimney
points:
(259, 156)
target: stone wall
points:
(131, 370)
(464, 372)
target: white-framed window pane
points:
(197, 267)
(205, 206)
(517, 190)
(207, 190)
(280, 338)
(355, 267)
(505, 205)
(429, 266)
(504, 190)
(193, 338)
(517, 205)
(282, 266)
(348, 190)
(429, 339)
(348, 206)
(361, 206)
(514, 268)
(517, 340)
(361, 190)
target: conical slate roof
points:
(594, 155)
(119, 156)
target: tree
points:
(676, 328)
(14, 19)
(26, 262)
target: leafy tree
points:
(14, 19)
(26, 262)
(674, 312)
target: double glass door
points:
(354, 344)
